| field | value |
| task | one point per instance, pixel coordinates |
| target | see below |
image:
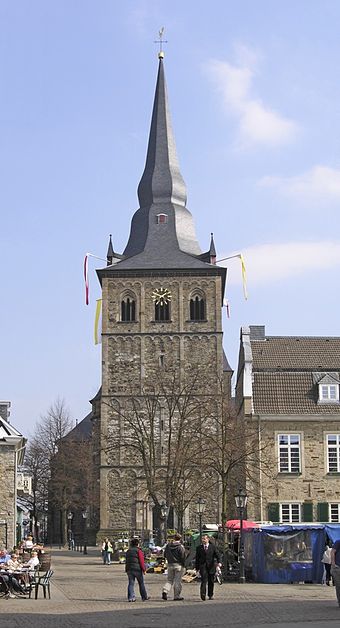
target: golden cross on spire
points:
(161, 41)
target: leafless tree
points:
(160, 431)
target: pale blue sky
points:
(254, 97)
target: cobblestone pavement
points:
(87, 594)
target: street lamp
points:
(164, 517)
(241, 502)
(200, 507)
(69, 528)
(84, 515)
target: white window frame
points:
(290, 506)
(334, 512)
(336, 446)
(290, 448)
(328, 393)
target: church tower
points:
(161, 319)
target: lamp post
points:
(84, 515)
(164, 517)
(200, 507)
(241, 502)
(69, 529)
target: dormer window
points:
(162, 219)
(328, 393)
(328, 387)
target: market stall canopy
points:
(234, 524)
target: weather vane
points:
(161, 41)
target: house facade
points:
(288, 387)
(12, 447)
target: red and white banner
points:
(86, 277)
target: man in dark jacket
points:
(135, 568)
(207, 558)
(175, 555)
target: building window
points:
(289, 453)
(128, 310)
(162, 219)
(290, 513)
(333, 453)
(162, 311)
(328, 393)
(197, 309)
(334, 513)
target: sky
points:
(254, 95)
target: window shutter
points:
(274, 513)
(323, 512)
(307, 511)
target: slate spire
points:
(162, 227)
(161, 181)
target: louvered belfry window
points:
(128, 310)
(197, 309)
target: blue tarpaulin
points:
(287, 554)
(333, 531)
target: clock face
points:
(161, 296)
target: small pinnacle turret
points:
(110, 252)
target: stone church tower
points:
(162, 304)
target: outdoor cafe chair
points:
(44, 582)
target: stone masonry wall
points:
(313, 484)
(7, 495)
(133, 354)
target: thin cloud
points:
(317, 184)
(258, 123)
(270, 262)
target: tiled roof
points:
(286, 371)
(300, 352)
(288, 393)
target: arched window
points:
(128, 309)
(162, 311)
(197, 308)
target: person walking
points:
(175, 555)
(326, 560)
(207, 559)
(135, 569)
(335, 568)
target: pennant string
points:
(243, 270)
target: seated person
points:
(28, 543)
(9, 580)
(4, 557)
(13, 564)
(4, 585)
(33, 562)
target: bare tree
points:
(233, 450)
(41, 452)
(161, 428)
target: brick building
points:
(161, 314)
(289, 388)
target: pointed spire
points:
(212, 250)
(110, 252)
(161, 181)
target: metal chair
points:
(44, 582)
